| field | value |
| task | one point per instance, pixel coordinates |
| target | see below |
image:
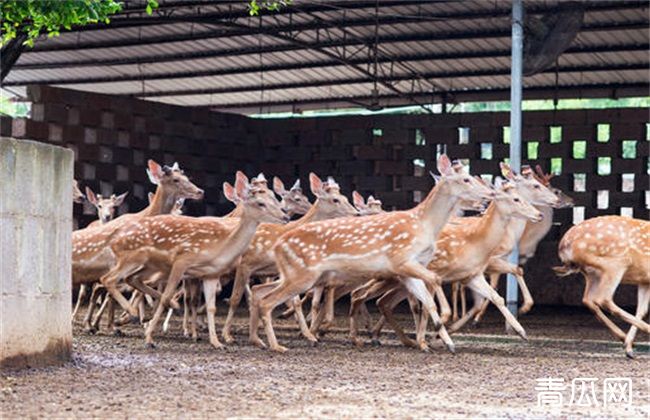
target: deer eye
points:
(537, 187)
(261, 204)
(336, 200)
(177, 180)
(516, 200)
(466, 180)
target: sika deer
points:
(204, 248)
(105, 212)
(608, 251)
(259, 258)
(293, 200)
(462, 252)
(77, 195)
(91, 257)
(533, 191)
(399, 243)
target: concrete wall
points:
(35, 249)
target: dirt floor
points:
(492, 375)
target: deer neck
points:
(534, 232)
(313, 215)
(436, 209)
(237, 242)
(162, 203)
(489, 232)
(236, 212)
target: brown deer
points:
(105, 212)
(77, 195)
(202, 248)
(259, 258)
(534, 190)
(91, 257)
(293, 200)
(608, 251)
(399, 243)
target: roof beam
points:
(386, 80)
(231, 14)
(563, 91)
(325, 63)
(441, 36)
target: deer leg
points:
(286, 290)
(315, 306)
(455, 289)
(210, 290)
(242, 280)
(467, 316)
(480, 286)
(357, 299)
(100, 312)
(589, 297)
(186, 308)
(463, 300)
(330, 301)
(609, 282)
(88, 327)
(643, 300)
(387, 304)
(419, 289)
(445, 310)
(175, 275)
(80, 298)
(194, 303)
(494, 283)
(527, 298)
(296, 304)
(111, 317)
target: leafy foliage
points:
(34, 17)
(255, 6)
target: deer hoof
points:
(375, 342)
(150, 346)
(451, 347)
(118, 333)
(257, 342)
(134, 319)
(279, 349)
(630, 354)
(196, 338)
(90, 330)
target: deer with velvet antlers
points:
(202, 248)
(399, 243)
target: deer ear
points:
(436, 178)
(296, 185)
(357, 199)
(278, 186)
(316, 184)
(120, 199)
(444, 165)
(154, 171)
(90, 195)
(242, 187)
(229, 192)
(507, 171)
(498, 182)
(150, 197)
(175, 167)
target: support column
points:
(515, 126)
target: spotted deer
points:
(293, 200)
(77, 195)
(534, 190)
(203, 248)
(105, 212)
(259, 258)
(398, 243)
(91, 256)
(608, 251)
(462, 252)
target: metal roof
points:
(318, 54)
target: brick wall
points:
(388, 156)
(112, 138)
(391, 156)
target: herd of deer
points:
(334, 249)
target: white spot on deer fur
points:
(582, 245)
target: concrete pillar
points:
(35, 251)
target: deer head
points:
(258, 203)
(545, 179)
(331, 202)
(174, 181)
(177, 210)
(372, 206)
(105, 206)
(529, 187)
(460, 183)
(77, 195)
(293, 200)
(511, 203)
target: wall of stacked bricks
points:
(112, 138)
(389, 156)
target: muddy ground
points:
(491, 375)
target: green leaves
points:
(35, 17)
(254, 7)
